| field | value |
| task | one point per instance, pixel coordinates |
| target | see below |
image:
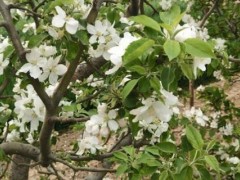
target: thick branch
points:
(85, 70)
(67, 78)
(92, 16)
(5, 11)
(25, 150)
(133, 8)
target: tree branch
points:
(25, 150)
(204, 19)
(67, 78)
(82, 168)
(92, 16)
(85, 70)
(68, 120)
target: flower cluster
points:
(62, 19)
(99, 126)
(166, 4)
(118, 51)
(103, 37)
(42, 64)
(197, 115)
(154, 115)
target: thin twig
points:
(153, 8)
(91, 96)
(56, 172)
(82, 168)
(68, 120)
(4, 171)
(12, 6)
(204, 19)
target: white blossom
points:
(61, 18)
(227, 130)
(118, 51)
(233, 160)
(166, 4)
(35, 63)
(3, 63)
(220, 44)
(29, 26)
(90, 143)
(200, 63)
(185, 32)
(52, 70)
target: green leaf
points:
(167, 147)
(155, 83)
(212, 162)
(153, 150)
(121, 169)
(186, 173)
(172, 49)
(137, 68)
(194, 137)
(168, 17)
(204, 173)
(128, 88)
(167, 77)
(59, 3)
(163, 175)
(187, 70)
(83, 37)
(129, 150)
(36, 40)
(198, 48)
(136, 49)
(146, 21)
(121, 156)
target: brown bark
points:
(18, 171)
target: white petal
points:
(60, 69)
(113, 70)
(35, 72)
(113, 125)
(25, 68)
(91, 29)
(53, 78)
(72, 26)
(58, 21)
(60, 11)
(44, 76)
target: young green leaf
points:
(194, 137)
(146, 21)
(212, 162)
(136, 49)
(167, 147)
(172, 49)
(187, 70)
(128, 88)
(163, 175)
(167, 77)
(121, 156)
(198, 48)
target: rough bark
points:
(19, 172)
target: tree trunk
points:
(17, 171)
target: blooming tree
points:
(117, 71)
